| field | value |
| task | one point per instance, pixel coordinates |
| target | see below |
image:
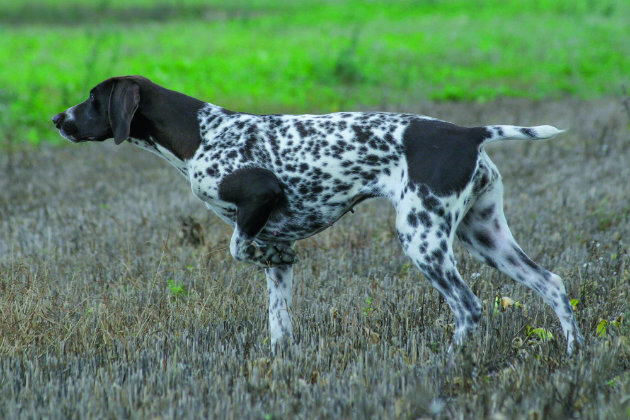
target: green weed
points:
(368, 308)
(176, 289)
(542, 333)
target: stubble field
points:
(119, 299)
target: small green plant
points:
(603, 327)
(176, 289)
(368, 309)
(542, 333)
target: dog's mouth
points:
(74, 138)
(69, 137)
(71, 132)
(86, 138)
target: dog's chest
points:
(206, 188)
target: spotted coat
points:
(281, 178)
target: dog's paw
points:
(270, 255)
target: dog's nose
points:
(58, 119)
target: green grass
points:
(267, 56)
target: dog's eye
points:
(92, 100)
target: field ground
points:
(118, 297)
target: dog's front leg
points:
(256, 192)
(280, 289)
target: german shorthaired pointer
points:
(280, 178)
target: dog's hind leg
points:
(485, 233)
(426, 237)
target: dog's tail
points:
(513, 132)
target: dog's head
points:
(105, 114)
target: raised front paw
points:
(270, 255)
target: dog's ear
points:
(123, 103)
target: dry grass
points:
(95, 240)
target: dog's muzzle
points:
(65, 127)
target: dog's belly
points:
(300, 218)
(291, 227)
(291, 230)
(295, 219)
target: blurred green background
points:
(267, 56)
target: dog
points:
(280, 178)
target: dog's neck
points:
(166, 123)
(154, 147)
